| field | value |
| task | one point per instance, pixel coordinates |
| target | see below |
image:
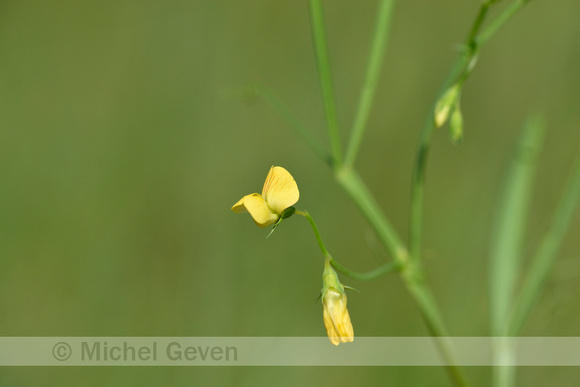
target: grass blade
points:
(379, 44)
(325, 77)
(507, 243)
(510, 227)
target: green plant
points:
(510, 306)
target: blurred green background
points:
(125, 139)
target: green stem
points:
(500, 20)
(325, 77)
(479, 21)
(381, 33)
(381, 270)
(428, 307)
(460, 72)
(418, 190)
(316, 232)
(370, 275)
(418, 179)
(410, 272)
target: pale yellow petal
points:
(280, 190)
(330, 328)
(239, 206)
(336, 317)
(258, 208)
(344, 328)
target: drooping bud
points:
(335, 314)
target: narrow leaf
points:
(510, 226)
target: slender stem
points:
(428, 308)
(381, 270)
(545, 255)
(325, 77)
(316, 232)
(418, 189)
(382, 28)
(370, 275)
(478, 21)
(460, 71)
(418, 179)
(500, 20)
(293, 121)
(410, 273)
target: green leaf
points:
(510, 226)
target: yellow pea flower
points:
(335, 315)
(279, 193)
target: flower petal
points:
(258, 208)
(344, 328)
(336, 317)
(239, 207)
(330, 328)
(280, 189)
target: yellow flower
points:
(280, 192)
(335, 314)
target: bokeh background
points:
(125, 137)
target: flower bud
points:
(335, 314)
(445, 105)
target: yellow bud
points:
(335, 314)
(336, 317)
